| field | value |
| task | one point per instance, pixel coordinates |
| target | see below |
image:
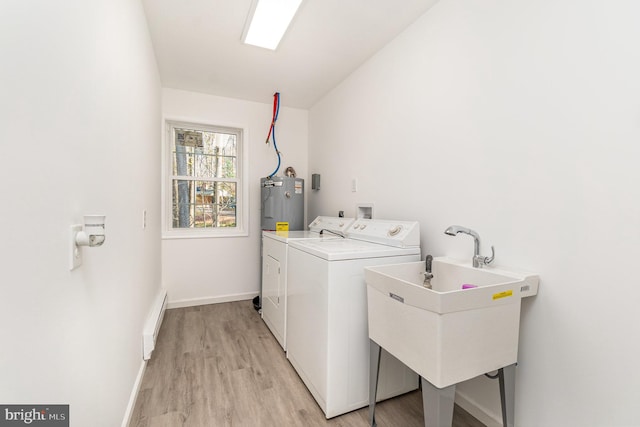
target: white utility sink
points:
(447, 334)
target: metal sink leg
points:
(374, 372)
(437, 404)
(507, 378)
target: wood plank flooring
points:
(219, 365)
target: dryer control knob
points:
(395, 230)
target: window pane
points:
(182, 204)
(204, 154)
(226, 204)
(203, 204)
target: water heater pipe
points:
(272, 130)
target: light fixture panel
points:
(269, 22)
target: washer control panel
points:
(332, 223)
(388, 232)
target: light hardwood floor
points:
(219, 365)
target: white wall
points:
(80, 114)
(206, 270)
(521, 120)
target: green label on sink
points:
(503, 294)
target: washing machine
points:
(274, 268)
(327, 336)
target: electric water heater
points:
(282, 203)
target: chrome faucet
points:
(477, 260)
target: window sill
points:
(201, 234)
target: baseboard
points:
(211, 300)
(134, 395)
(479, 412)
(152, 326)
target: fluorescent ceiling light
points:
(270, 20)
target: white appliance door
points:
(274, 264)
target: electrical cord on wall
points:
(272, 130)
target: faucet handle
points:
(479, 261)
(488, 260)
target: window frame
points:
(242, 200)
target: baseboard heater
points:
(153, 324)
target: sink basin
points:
(447, 334)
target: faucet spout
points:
(455, 229)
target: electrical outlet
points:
(144, 219)
(354, 185)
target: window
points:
(204, 190)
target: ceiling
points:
(198, 47)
